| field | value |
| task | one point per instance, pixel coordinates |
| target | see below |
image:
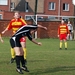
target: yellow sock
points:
(12, 53)
(24, 49)
(60, 44)
(65, 44)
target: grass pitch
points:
(41, 60)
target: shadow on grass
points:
(52, 70)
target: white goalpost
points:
(41, 17)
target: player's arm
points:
(38, 43)
(4, 30)
(7, 28)
(1, 39)
(33, 40)
(40, 26)
(72, 28)
(58, 31)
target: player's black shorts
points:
(14, 43)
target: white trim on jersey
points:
(21, 32)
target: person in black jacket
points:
(27, 30)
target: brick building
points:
(44, 7)
(59, 7)
(51, 8)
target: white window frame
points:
(12, 5)
(65, 18)
(1, 16)
(3, 2)
(51, 5)
(66, 7)
(26, 6)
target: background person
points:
(70, 27)
(62, 34)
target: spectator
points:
(70, 27)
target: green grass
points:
(41, 60)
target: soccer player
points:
(15, 43)
(62, 34)
(15, 24)
(70, 27)
(1, 38)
